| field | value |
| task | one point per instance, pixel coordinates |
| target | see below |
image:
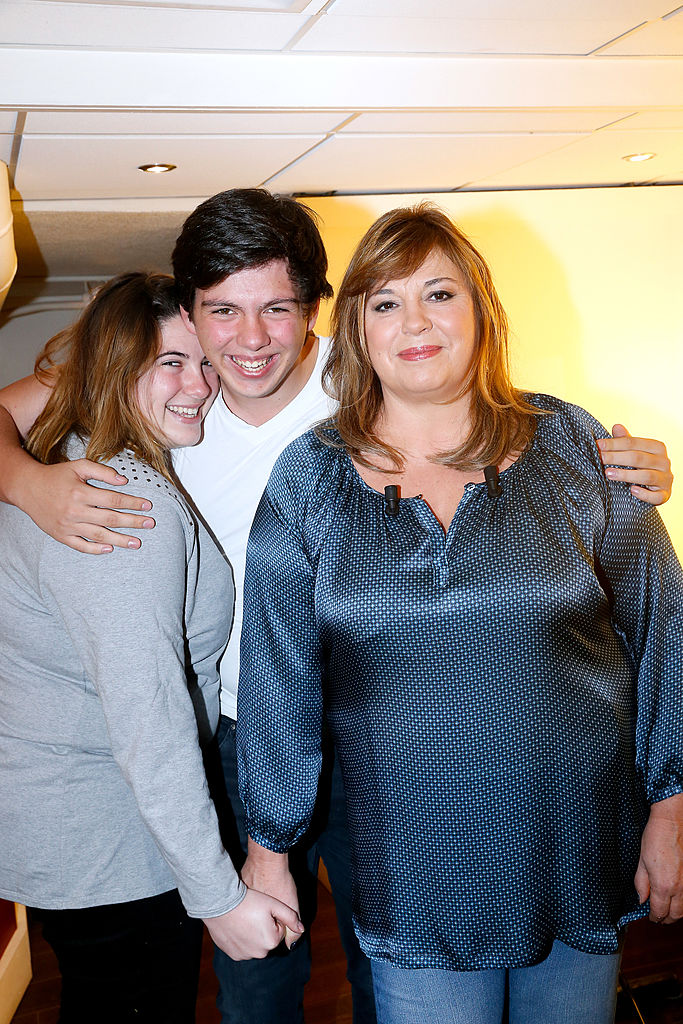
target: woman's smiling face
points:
(421, 332)
(176, 392)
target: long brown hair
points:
(93, 368)
(394, 247)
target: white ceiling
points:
(308, 96)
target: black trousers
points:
(135, 961)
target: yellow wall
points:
(592, 280)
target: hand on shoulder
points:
(640, 461)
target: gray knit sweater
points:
(108, 672)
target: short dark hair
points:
(249, 227)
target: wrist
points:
(263, 859)
(671, 808)
(18, 467)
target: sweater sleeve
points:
(125, 617)
(280, 689)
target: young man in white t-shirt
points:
(251, 269)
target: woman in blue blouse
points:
(499, 662)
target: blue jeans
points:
(271, 991)
(568, 987)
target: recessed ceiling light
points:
(156, 168)
(636, 158)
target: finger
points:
(288, 918)
(650, 497)
(632, 444)
(642, 477)
(102, 537)
(291, 937)
(88, 470)
(87, 547)
(660, 903)
(99, 498)
(636, 459)
(641, 881)
(619, 430)
(108, 519)
(675, 909)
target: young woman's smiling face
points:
(177, 391)
(421, 332)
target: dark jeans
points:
(271, 991)
(135, 961)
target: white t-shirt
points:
(226, 475)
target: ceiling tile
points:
(659, 38)
(633, 11)
(8, 120)
(122, 27)
(359, 163)
(96, 167)
(362, 34)
(596, 160)
(482, 121)
(161, 123)
(671, 118)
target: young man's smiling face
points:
(253, 328)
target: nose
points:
(415, 318)
(253, 334)
(195, 384)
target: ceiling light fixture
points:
(636, 158)
(156, 168)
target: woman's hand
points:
(61, 502)
(269, 872)
(651, 478)
(660, 869)
(255, 926)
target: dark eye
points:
(384, 307)
(441, 295)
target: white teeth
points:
(247, 365)
(183, 410)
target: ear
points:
(313, 316)
(187, 320)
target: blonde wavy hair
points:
(394, 247)
(93, 368)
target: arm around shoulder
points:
(58, 498)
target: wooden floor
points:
(652, 966)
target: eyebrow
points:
(218, 303)
(427, 284)
(165, 354)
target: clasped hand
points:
(255, 926)
(660, 869)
